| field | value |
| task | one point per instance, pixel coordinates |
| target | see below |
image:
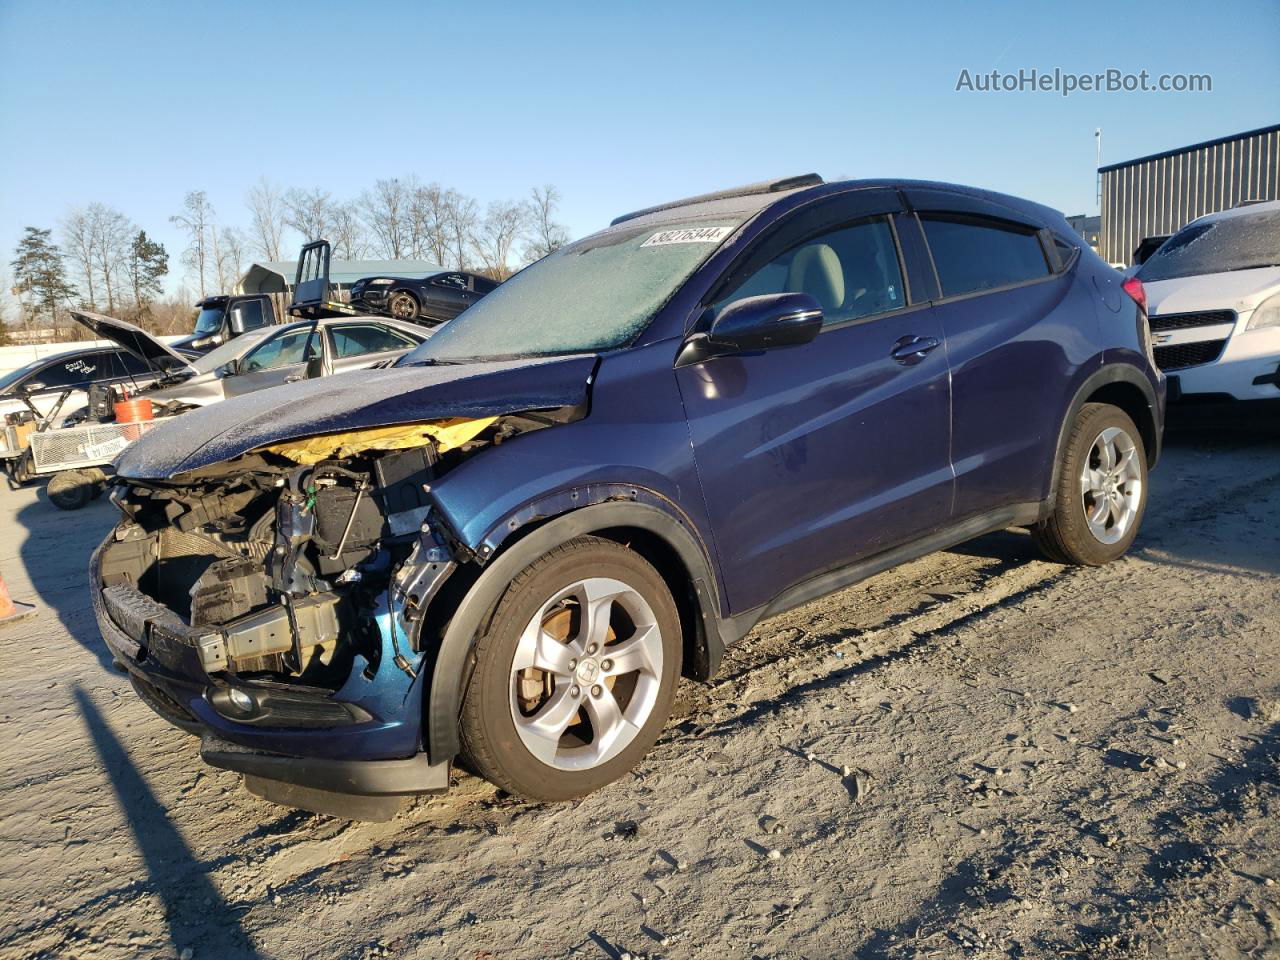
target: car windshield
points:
(1242, 242)
(598, 293)
(9, 379)
(209, 321)
(232, 349)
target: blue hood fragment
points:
(354, 401)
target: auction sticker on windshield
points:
(688, 235)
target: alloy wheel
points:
(403, 307)
(1111, 485)
(586, 674)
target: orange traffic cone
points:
(11, 609)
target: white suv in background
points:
(1213, 299)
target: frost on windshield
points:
(1240, 242)
(591, 295)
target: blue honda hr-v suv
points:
(508, 548)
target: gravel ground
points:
(977, 755)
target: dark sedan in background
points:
(432, 299)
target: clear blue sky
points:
(618, 104)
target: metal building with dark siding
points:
(1159, 194)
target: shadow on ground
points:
(194, 910)
(55, 555)
(1235, 529)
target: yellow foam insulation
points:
(446, 434)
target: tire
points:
(1104, 475)
(70, 489)
(403, 305)
(540, 619)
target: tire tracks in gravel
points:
(797, 671)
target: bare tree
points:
(429, 216)
(228, 252)
(495, 236)
(111, 234)
(268, 218)
(546, 236)
(310, 212)
(386, 209)
(196, 219)
(77, 239)
(461, 214)
(347, 232)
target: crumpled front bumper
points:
(364, 738)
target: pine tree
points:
(39, 273)
(146, 264)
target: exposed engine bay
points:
(298, 562)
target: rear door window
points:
(352, 340)
(972, 254)
(77, 371)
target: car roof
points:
(418, 276)
(1240, 210)
(394, 324)
(752, 199)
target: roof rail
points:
(764, 186)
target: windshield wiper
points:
(454, 361)
(433, 362)
(1254, 266)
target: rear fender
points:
(1148, 413)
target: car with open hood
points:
(42, 383)
(259, 358)
(506, 549)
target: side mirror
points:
(32, 386)
(756, 323)
(201, 343)
(237, 323)
(315, 367)
(229, 369)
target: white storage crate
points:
(89, 446)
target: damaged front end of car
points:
(279, 604)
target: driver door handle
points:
(910, 350)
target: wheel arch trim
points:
(1110, 375)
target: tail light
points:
(1133, 287)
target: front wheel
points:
(1102, 492)
(403, 305)
(575, 673)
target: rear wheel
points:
(1102, 491)
(574, 675)
(71, 489)
(403, 305)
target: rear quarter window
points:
(973, 254)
